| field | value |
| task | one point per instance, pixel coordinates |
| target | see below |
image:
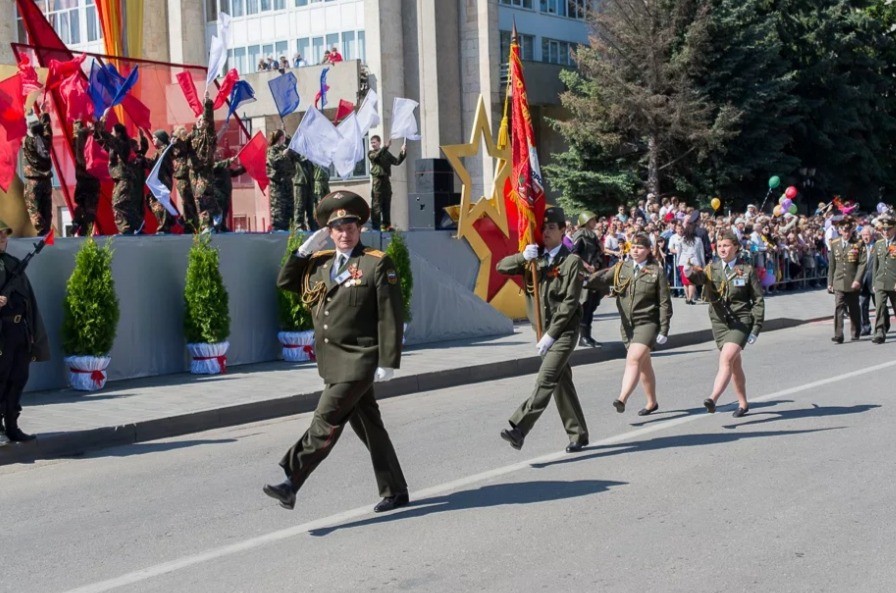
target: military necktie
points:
(340, 263)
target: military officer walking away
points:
(845, 270)
(38, 169)
(381, 162)
(23, 339)
(736, 313)
(587, 246)
(884, 277)
(560, 287)
(355, 298)
(645, 308)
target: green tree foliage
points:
(90, 309)
(401, 257)
(293, 314)
(206, 312)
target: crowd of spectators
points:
(788, 251)
(331, 56)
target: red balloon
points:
(791, 192)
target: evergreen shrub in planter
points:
(206, 312)
(296, 327)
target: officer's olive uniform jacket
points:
(884, 265)
(560, 286)
(357, 327)
(40, 343)
(745, 301)
(847, 264)
(381, 162)
(640, 299)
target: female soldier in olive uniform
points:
(645, 307)
(736, 312)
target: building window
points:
(575, 9)
(518, 3)
(281, 48)
(94, 33)
(239, 60)
(302, 46)
(254, 57)
(362, 47)
(527, 47)
(251, 6)
(556, 7)
(301, 2)
(211, 10)
(239, 8)
(333, 41)
(64, 16)
(317, 50)
(556, 52)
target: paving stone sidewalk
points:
(69, 422)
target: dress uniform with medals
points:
(884, 277)
(848, 259)
(560, 277)
(355, 300)
(23, 340)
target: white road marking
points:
(275, 536)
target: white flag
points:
(351, 147)
(316, 138)
(217, 59)
(404, 124)
(224, 28)
(368, 113)
(158, 189)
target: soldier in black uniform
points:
(354, 294)
(23, 339)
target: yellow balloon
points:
(716, 203)
(777, 211)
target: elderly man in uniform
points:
(884, 277)
(560, 287)
(355, 298)
(38, 169)
(587, 246)
(845, 270)
(23, 339)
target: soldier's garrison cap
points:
(554, 214)
(342, 206)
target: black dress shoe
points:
(619, 405)
(576, 447)
(588, 341)
(513, 436)
(837, 340)
(648, 411)
(16, 435)
(874, 340)
(709, 405)
(283, 492)
(391, 502)
(855, 339)
(740, 411)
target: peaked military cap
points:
(554, 214)
(342, 206)
(886, 220)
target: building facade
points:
(443, 54)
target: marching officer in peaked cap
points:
(354, 296)
(884, 277)
(560, 276)
(848, 259)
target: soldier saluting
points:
(355, 300)
(884, 277)
(845, 270)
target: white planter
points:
(87, 373)
(297, 346)
(208, 359)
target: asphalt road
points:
(796, 496)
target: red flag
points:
(226, 86)
(253, 157)
(50, 237)
(527, 185)
(12, 108)
(96, 159)
(343, 111)
(73, 91)
(189, 88)
(30, 83)
(9, 158)
(137, 111)
(60, 70)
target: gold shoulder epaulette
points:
(373, 252)
(324, 253)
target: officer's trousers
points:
(843, 302)
(882, 312)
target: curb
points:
(76, 443)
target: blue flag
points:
(285, 93)
(107, 88)
(323, 87)
(240, 94)
(125, 87)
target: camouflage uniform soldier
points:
(203, 160)
(321, 183)
(381, 161)
(164, 218)
(223, 187)
(118, 145)
(87, 187)
(303, 203)
(280, 169)
(139, 167)
(180, 162)
(38, 170)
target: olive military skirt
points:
(640, 333)
(736, 332)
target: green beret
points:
(342, 206)
(554, 214)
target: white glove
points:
(383, 374)
(544, 344)
(752, 339)
(530, 252)
(315, 242)
(661, 339)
